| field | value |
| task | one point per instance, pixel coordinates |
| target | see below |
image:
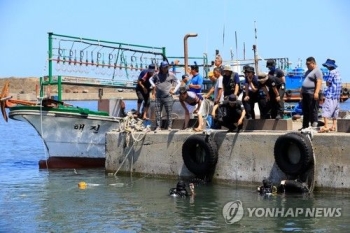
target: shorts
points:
(330, 108)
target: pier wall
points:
(244, 158)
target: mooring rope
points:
(130, 125)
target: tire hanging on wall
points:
(200, 154)
(293, 153)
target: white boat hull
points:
(69, 134)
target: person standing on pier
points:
(196, 82)
(263, 97)
(185, 80)
(277, 101)
(250, 96)
(330, 107)
(163, 91)
(192, 103)
(143, 89)
(218, 63)
(229, 114)
(230, 81)
(310, 91)
(217, 89)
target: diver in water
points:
(267, 188)
(181, 191)
(286, 186)
(293, 186)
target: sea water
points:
(33, 200)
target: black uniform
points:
(275, 80)
(227, 115)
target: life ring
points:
(200, 154)
(345, 91)
(289, 93)
(293, 153)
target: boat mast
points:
(236, 45)
(255, 49)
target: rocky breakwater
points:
(28, 89)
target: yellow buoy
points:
(82, 185)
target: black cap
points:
(232, 98)
(270, 62)
(185, 76)
(249, 69)
(244, 68)
(151, 68)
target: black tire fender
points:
(200, 154)
(293, 153)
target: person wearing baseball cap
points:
(143, 89)
(230, 114)
(278, 80)
(263, 97)
(163, 92)
(250, 94)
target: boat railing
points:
(101, 63)
(82, 81)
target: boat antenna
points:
(236, 45)
(243, 50)
(223, 36)
(255, 49)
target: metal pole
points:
(186, 49)
(50, 56)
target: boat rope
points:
(126, 155)
(130, 126)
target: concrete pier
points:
(243, 158)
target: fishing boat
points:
(294, 80)
(74, 136)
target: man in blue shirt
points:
(196, 82)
